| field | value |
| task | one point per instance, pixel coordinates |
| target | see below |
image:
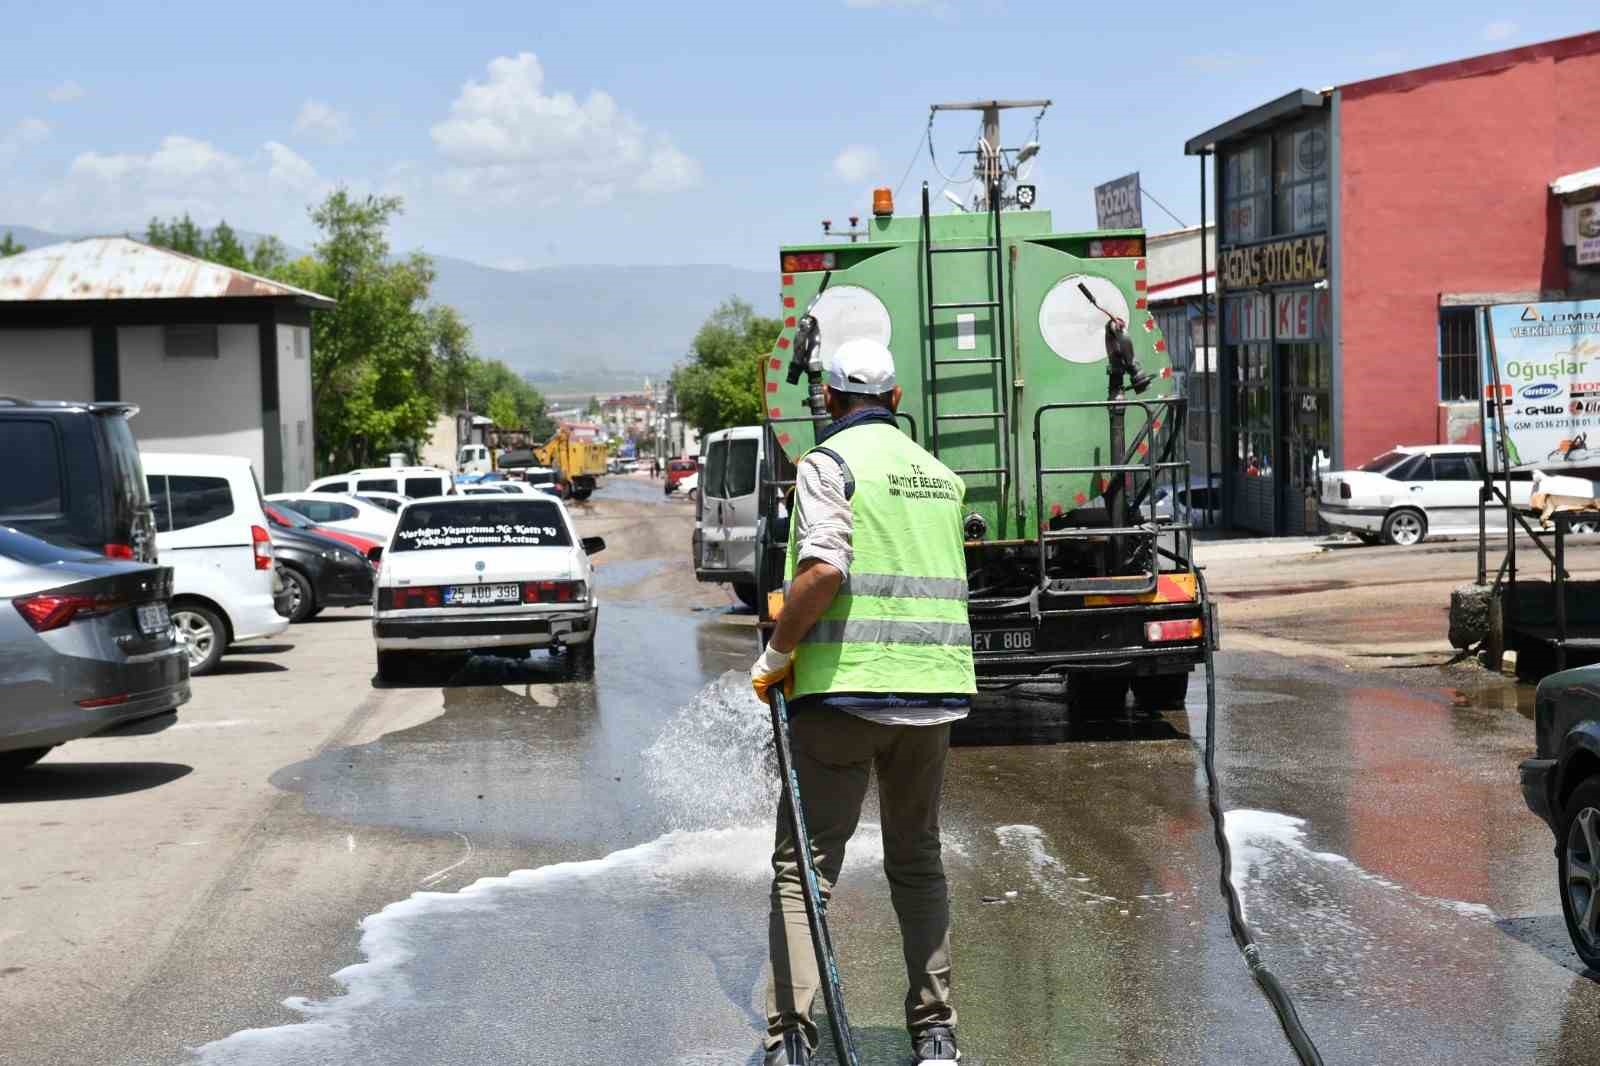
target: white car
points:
(492, 572)
(488, 488)
(1411, 493)
(413, 482)
(211, 530)
(389, 501)
(340, 511)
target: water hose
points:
(1277, 996)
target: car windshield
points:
(1384, 463)
(481, 522)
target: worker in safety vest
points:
(873, 648)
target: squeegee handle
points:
(816, 911)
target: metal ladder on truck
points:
(995, 361)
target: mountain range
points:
(572, 328)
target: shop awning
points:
(1582, 181)
(1284, 108)
(1180, 288)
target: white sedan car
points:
(1411, 493)
(495, 572)
(340, 511)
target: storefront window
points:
(1244, 194)
(1300, 180)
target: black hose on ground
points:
(1277, 995)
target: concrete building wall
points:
(1443, 188)
(295, 426)
(46, 364)
(211, 406)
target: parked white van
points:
(413, 481)
(725, 539)
(211, 530)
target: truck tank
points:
(998, 326)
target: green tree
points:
(220, 245)
(8, 246)
(720, 385)
(487, 378)
(503, 410)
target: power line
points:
(1163, 206)
(913, 162)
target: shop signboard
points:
(1117, 204)
(1546, 357)
(1247, 317)
(1587, 220)
(1302, 314)
(1275, 263)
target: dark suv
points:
(71, 475)
(1561, 784)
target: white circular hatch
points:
(848, 312)
(1072, 326)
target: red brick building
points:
(1358, 228)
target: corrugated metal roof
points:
(119, 268)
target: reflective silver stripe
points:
(901, 588)
(884, 631)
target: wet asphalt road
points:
(1399, 887)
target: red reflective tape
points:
(777, 364)
(783, 342)
(1156, 425)
(1161, 346)
(783, 438)
(1139, 265)
(1144, 449)
(773, 412)
(788, 301)
(1149, 325)
(1055, 509)
(1139, 303)
(788, 279)
(1139, 283)
(1080, 499)
(772, 386)
(1166, 371)
(789, 322)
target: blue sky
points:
(543, 133)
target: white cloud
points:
(856, 163)
(268, 190)
(66, 92)
(27, 131)
(509, 139)
(321, 122)
(1499, 30)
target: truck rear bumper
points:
(1111, 639)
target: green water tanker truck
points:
(1032, 367)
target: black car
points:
(1561, 784)
(322, 572)
(75, 478)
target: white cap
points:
(862, 365)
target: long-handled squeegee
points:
(816, 909)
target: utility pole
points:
(990, 169)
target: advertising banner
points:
(1117, 204)
(1548, 357)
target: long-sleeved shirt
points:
(824, 523)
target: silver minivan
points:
(725, 538)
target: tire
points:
(747, 593)
(302, 596)
(20, 759)
(1092, 695)
(1161, 692)
(1405, 528)
(580, 659)
(581, 494)
(204, 636)
(392, 666)
(1578, 870)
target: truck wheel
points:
(1578, 870)
(1161, 692)
(746, 591)
(581, 493)
(1405, 527)
(1096, 695)
(392, 667)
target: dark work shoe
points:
(935, 1046)
(792, 1052)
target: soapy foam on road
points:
(1048, 873)
(711, 764)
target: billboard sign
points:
(1547, 360)
(1117, 204)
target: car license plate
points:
(478, 595)
(153, 619)
(1002, 640)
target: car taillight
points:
(1344, 490)
(1182, 629)
(119, 551)
(553, 591)
(1117, 248)
(261, 544)
(410, 598)
(800, 262)
(103, 701)
(45, 611)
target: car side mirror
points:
(593, 545)
(375, 554)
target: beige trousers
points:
(834, 754)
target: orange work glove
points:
(774, 667)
